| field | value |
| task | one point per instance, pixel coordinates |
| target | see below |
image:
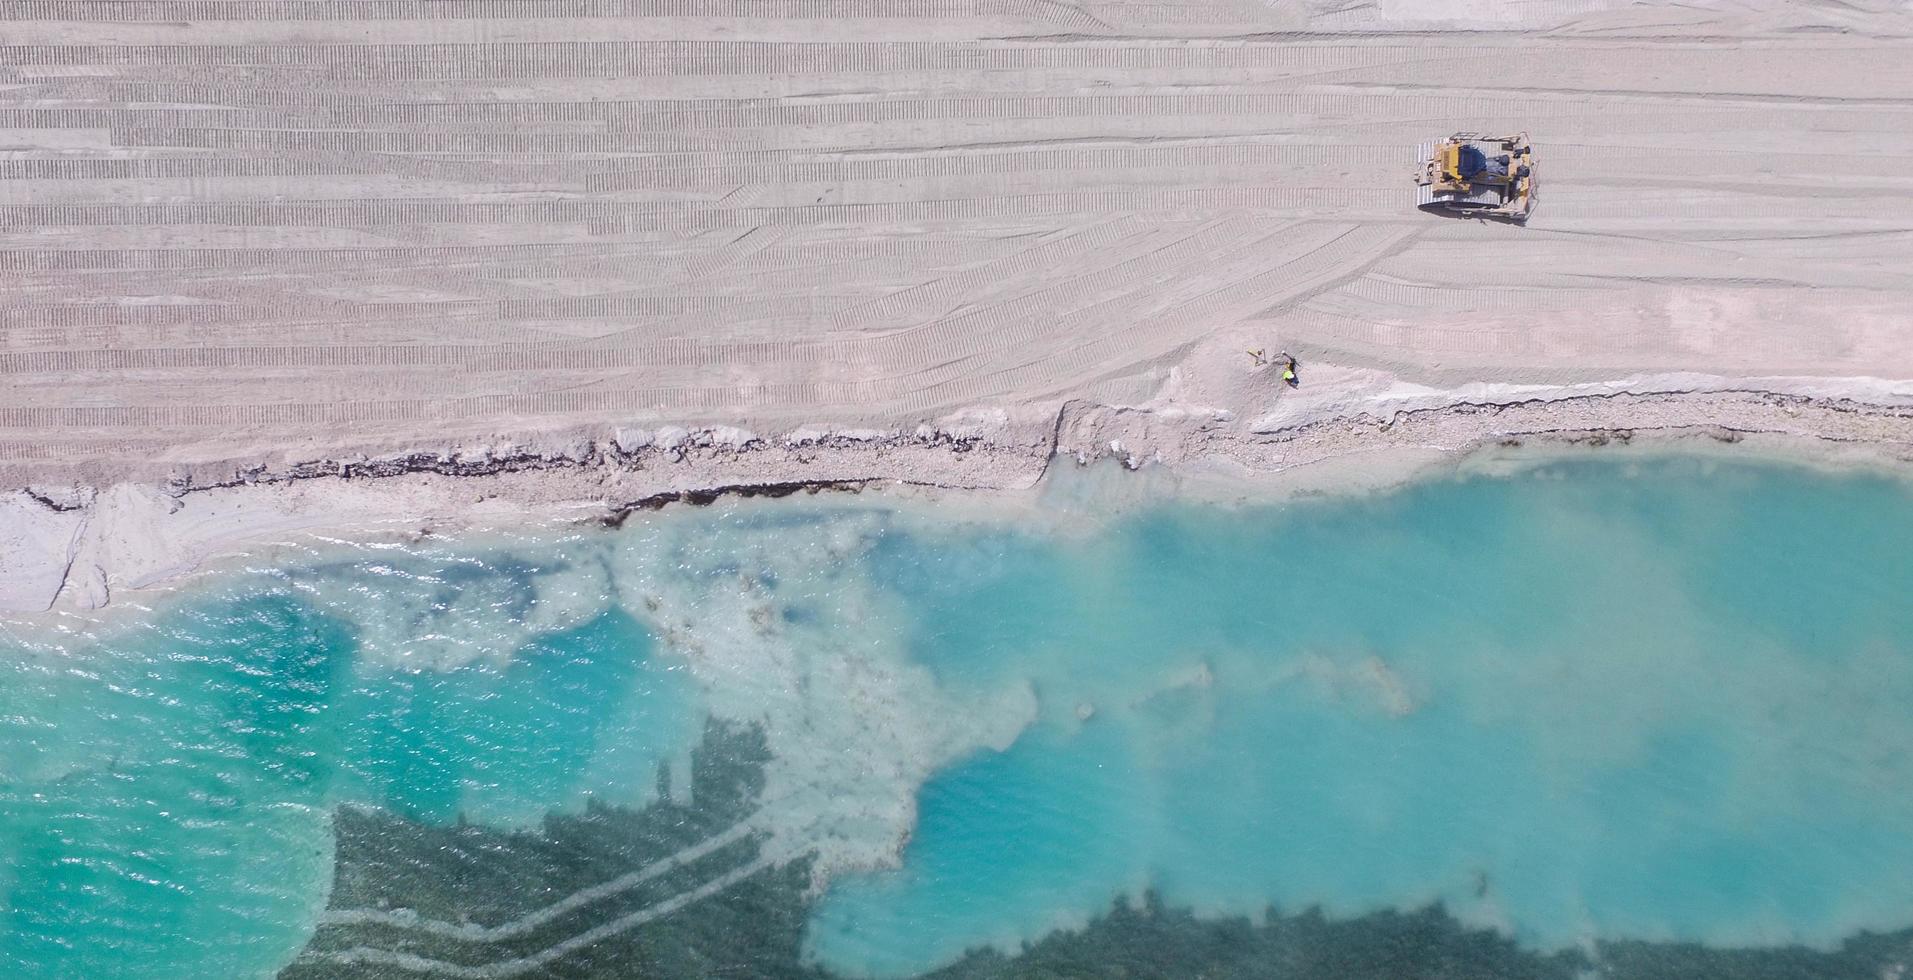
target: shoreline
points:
(79, 546)
(1811, 421)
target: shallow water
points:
(1587, 702)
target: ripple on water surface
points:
(1657, 700)
(165, 804)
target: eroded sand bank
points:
(79, 547)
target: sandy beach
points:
(272, 268)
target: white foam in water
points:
(777, 620)
(781, 625)
(778, 623)
(440, 608)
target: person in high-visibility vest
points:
(1288, 371)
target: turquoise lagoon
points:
(1580, 702)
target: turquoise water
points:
(165, 802)
(1601, 700)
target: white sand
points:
(921, 240)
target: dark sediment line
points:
(705, 497)
(575, 454)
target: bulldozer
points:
(1471, 175)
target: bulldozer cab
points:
(1471, 175)
(1469, 163)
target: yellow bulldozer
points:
(1471, 175)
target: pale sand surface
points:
(619, 248)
